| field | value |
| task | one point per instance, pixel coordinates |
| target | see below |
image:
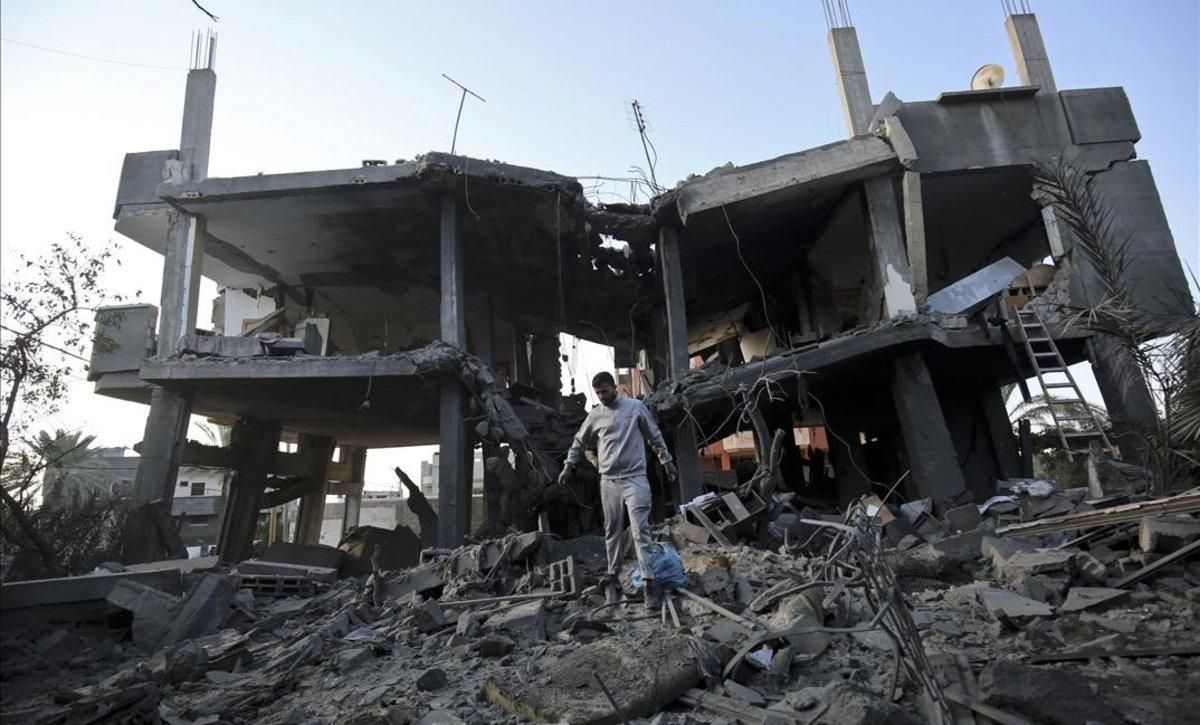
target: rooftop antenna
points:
(989, 76)
(461, 101)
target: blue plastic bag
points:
(664, 564)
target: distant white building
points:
(429, 475)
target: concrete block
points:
(202, 611)
(124, 338)
(960, 548)
(432, 679)
(525, 546)
(221, 346)
(1027, 563)
(152, 611)
(524, 620)
(423, 580)
(1042, 587)
(962, 518)
(1001, 603)
(468, 624)
(495, 646)
(1081, 598)
(429, 617)
(1164, 534)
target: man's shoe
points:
(654, 595)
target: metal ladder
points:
(1046, 360)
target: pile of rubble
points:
(1040, 608)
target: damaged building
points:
(868, 286)
(885, 288)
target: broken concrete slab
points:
(1001, 603)
(318, 555)
(1044, 694)
(152, 610)
(316, 573)
(571, 692)
(423, 580)
(39, 602)
(202, 610)
(1026, 563)
(1080, 598)
(962, 518)
(523, 620)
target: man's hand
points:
(672, 472)
(565, 476)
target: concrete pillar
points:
(253, 443)
(932, 461)
(1033, 65)
(318, 451)
(851, 79)
(914, 236)
(357, 456)
(454, 475)
(886, 240)
(1126, 396)
(1004, 443)
(686, 451)
(545, 366)
(167, 419)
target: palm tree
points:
(67, 481)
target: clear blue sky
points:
(310, 85)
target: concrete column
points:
(254, 443)
(1033, 65)
(357, 456)
(914, 236)
(686, 451)
(886, 239)
(851, 79)
(1004, 443)
(931, 458)
(319, 451)
(167, 419)
(454, 478)
(1126, 396)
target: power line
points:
(45, 344)
(83, 56)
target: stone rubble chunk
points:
(433, 678)
(526, 620)
(1081, 598)
(1000, 602)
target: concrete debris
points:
(778, 629)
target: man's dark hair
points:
(604, 378)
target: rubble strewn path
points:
(824, 621)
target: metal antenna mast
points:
(461, 101)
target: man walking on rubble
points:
(617, 428)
